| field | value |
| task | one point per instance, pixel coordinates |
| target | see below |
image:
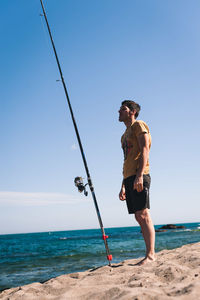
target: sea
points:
(37, 257)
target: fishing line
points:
(78, 180)
(45, 33)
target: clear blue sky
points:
(148, 51)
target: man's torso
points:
(130, 146)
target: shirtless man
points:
(136, 143)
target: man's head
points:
(133, 106)
(128, 110)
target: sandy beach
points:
(174, 275)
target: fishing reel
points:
(78, 181)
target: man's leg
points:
(144, 219)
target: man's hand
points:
(138, 183)
(122, 194)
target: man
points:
(136, 143)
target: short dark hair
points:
(132, 106)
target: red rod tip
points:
(109, 257)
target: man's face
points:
(124, 113)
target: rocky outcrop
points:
(172, 226)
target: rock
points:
(172, 226)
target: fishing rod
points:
(78, 180)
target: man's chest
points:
(128, 142)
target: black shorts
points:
(137, 200)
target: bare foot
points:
(146, 260)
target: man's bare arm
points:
(122, 194)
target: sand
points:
(174, 275)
